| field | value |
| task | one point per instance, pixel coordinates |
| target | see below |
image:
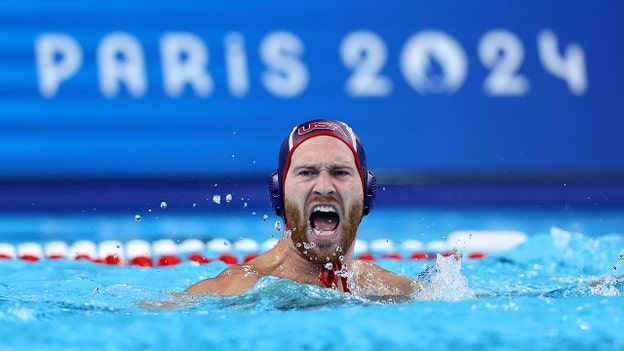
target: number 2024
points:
(500, 51)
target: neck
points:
(330, 276)
(291, 265)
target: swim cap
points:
(311, 129)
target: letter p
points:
(58, 57)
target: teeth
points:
(324, 209)
(319, 232)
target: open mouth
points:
(324, 220)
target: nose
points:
(324, 185)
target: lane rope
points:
(167, 252)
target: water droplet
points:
(137, 218)
(245, 205)
(216, 199)
(278, 225)
(149, 210)
(233, 155)
(228, 197)
(163, 205)
(264, 218)
(194, 205)
(329, 265)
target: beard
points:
(299, 225)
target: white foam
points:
(447, 283)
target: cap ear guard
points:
(370, 191)
(275, 193)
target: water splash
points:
(216, 199)
(609, 287)
(446, 282)
(272, 293)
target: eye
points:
(341, 172)
(305, 172)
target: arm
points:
(233, 280)
(375, 280)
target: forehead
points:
(323, 149)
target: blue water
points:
(532, 297)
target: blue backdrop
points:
(191, 89)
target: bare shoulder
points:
(233, 280)
(373, 279)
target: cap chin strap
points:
(329, 278)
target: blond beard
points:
(298, 227)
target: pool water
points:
(534, 296)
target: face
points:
(323, 198)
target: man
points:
(322, 189)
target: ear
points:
(275, 193)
